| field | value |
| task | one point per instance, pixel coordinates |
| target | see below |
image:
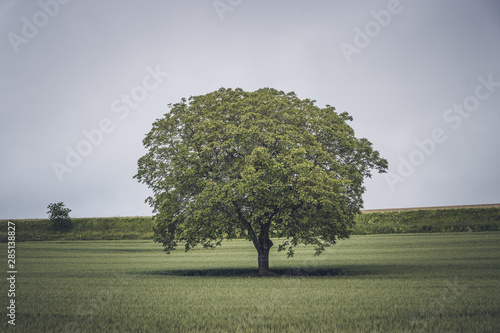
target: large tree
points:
(258, 165)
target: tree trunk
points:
(263, 256)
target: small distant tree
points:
(59, 217)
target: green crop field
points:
(434, 282)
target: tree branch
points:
(245, 223)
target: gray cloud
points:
(63, 79)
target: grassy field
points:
(435, 282)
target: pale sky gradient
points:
(402, 69)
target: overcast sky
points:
(82, 81)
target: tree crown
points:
(256, 165)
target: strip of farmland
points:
(497, 205)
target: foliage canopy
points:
(257, 165)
